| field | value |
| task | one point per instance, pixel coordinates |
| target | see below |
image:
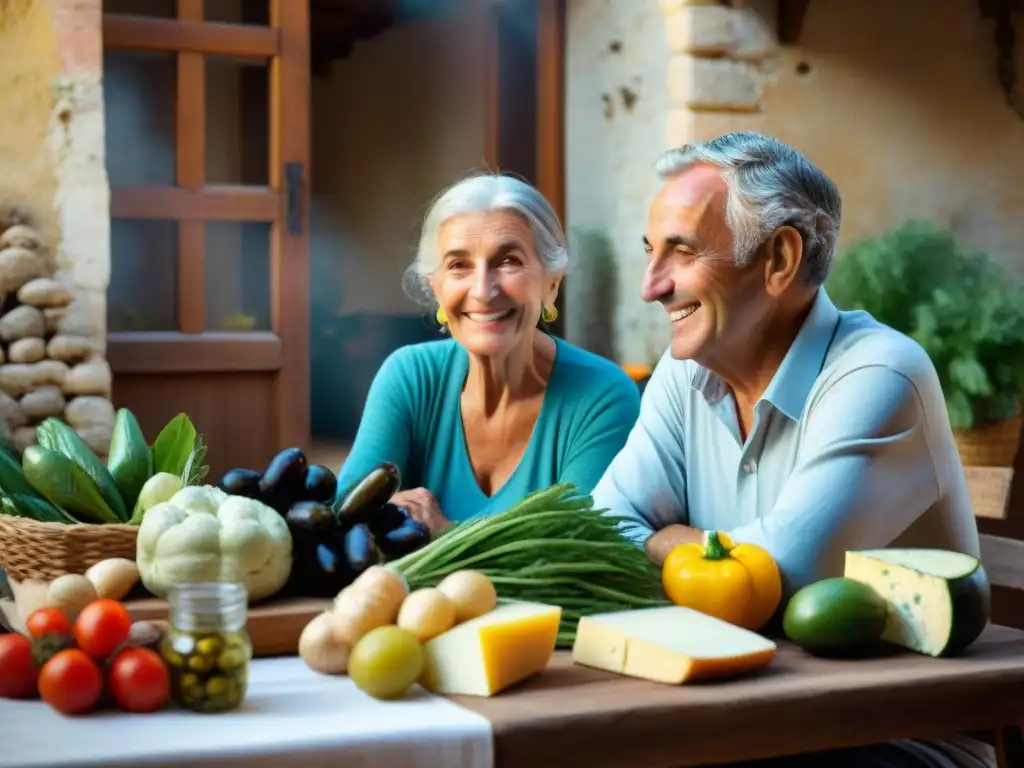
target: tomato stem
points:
(714, 549)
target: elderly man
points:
(773, 416)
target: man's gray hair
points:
(477, 194)
(770, 185)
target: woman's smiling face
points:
(490, 282)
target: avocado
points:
(836, 617)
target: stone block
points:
(686, 126)
(79, 30)
(714, 84)
(718, 30)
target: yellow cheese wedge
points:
(485, 655)
(668, 645)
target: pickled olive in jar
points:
(207, 649)
(213, 675)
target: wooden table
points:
(571, 716)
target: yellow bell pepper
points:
(737, 583)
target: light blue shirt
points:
(850, 448)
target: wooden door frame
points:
(550, 85)
(283, 350)
(548, 173)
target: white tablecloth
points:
(291, 717)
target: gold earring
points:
(442, 316)
(549, 314)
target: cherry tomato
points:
(71, 682)
(139, 680)
(48, 621)
(18, 672)
(101, 627)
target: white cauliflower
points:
(203, 534)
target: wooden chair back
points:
(998, 497)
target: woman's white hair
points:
(477, 194)
(770, 185)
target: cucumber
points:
(836, 617)
(36, 508)
(130, 461)
(939, 601)
(58, 436)
(65, 485)
(12, 479)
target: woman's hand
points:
(422, 506)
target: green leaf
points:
(959, 407)
(179, 450)
(968, 374)
(963, 308)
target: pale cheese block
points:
(486, 655)
(939, 601)
(668, 645)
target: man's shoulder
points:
(862, 343)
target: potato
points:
(113, 578)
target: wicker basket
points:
(994, 445)
(34, 550)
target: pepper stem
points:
(714, 549)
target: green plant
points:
(962, 307)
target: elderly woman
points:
(479, 420)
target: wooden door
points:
(525, 118)
(208, 305)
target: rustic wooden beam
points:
(190, 173)
(790, 22)
(170, 352)
(211, 203)
(142, 33)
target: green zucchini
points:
(38, 509)
(130, 461)
(66, 485)
(939, 601)
(58, 436)
(12, 479)
(836, 617)
(8, 507)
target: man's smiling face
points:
(712, 304)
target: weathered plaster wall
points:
(29, 64)
(52, 171)
(51, 144)
(898, 102)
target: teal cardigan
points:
(413, 418)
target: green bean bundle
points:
(553, 547)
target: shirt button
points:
(750, 466)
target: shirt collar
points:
(791, 385)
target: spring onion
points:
(553, 547)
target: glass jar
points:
(207, 648)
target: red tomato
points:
(48, 621)
(139, 680)
(71, 682)
(101, 627)
(18, 671)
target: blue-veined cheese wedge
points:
(939, 601)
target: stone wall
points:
(55, 264)
(897, 102)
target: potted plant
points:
(965, 310)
